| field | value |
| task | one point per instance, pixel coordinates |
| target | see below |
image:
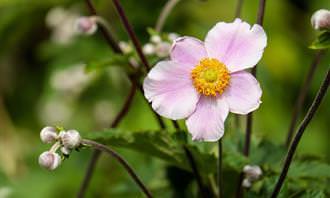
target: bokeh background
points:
(42, 82)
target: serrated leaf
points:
(316, 170)
(322, 41)
(113, 60)
(167, 146)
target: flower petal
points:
(169, 87)
(243, 94)
(207, 122)
(188, 50)
(236, 44)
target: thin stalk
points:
(309, 115)
(195, 170)
(106, 34)
(131, 33)
(302, 96)
(238, 10)
(122, 161)
(170, 4)
(220, 177)
(176, 125)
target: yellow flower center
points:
(210, 77)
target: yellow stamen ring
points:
(210, 77)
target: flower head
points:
(86, 25)
(48, 134)
(321, 19)
(49, 160)
(204, 81)
(71, 139)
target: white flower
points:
(252, 173)
(321, 19)
(148, 49)
(49, 160)
(65, 150)
(71, 139)
(246, 183)
(125, 47)
(85, 25)
(163, 49)
(48, 134)
(55, 16)
(155, 39)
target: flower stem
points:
(122, 161)
(196, 173)
(238, 10)
(220, 177)
(302, 96)
(131, 33)
(170, 4)
(310, 114)
(106, 34)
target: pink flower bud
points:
(65, 151)
(86, 25)
(252, 173)
(48, 134)
(49, 160)
(321, 19)
(71, 139)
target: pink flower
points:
(203, 82)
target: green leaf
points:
(316, 170)
(314, 194)
(167, 146)
(113, 60)
(322, 41)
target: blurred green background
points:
(42, 83)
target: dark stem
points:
(121, 160)
(220, 177)
(312, 110)
(195, 170)
(302, 96)
(131, 33)
(261, 12)
(238, 9)
(176, 125)
(106, 34)
(310, 114)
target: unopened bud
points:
(71, 139)
(172, 36)
(48, 134)
(49, 160)
(148, 49)
(321, 19)
(86, 25)
(163, 49)
(246, 183)
(252, 173)
(155, 39)
(125, 47)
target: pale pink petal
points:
(188, 50)
(207, 122)
(169, 87)
(236, 44)
(243, 93)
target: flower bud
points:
(321, 20)
(86, 25)
(172, 36)
(252, 173)
(48, 135)
(155, 39)
(49, 160)
(71, 139)
(148, 49)
(163, 49)
(246, 183)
